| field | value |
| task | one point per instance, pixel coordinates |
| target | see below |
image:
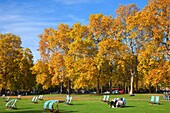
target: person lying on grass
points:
(116, 102)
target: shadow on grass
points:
(63, 111)
(156, 104)
(61, 101)
(28, 111)
(24, 108)
(37, 111)
(78, 104)
(128, 106)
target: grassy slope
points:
(91, 104)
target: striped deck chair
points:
(40, 97)
(69, 100)
(104, 98)
(8, 104)
(34, 99)
(13, 106)
(107, 98)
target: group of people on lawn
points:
(117, 102)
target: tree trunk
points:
(137, 82)
(110, 86)
(68, 86)
(132, 83)
(98, 86)
(149, 87)
(101, 89)
(128, 88)
(98, 82)
(61, 88)
(3, 91)
(125, 86)
(136, 71)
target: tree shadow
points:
(24, 108)
(156, 104)
(38, 111)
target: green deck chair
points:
(46, 104)
(152, 100)
(157, 100)
(107, 98)
(104, 98)
(33, 99)
(51, 105)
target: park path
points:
(80, 97)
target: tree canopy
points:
(130, 49)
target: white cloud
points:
(28, 19)
(28, 28)
(7, 17)
(77, 19)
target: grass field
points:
(90, 104)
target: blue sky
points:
(28, 18)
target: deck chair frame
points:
(69, 100)
(12, 104)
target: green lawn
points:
(91, 104)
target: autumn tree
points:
(26, 79)
(13, 68)
(79, 61)
(152, 25)
(117, 54)
(53, 48)
(99, 30)
(40, 69)
(126, 49)
(9, 55)
(123, 34)
(63, 50)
